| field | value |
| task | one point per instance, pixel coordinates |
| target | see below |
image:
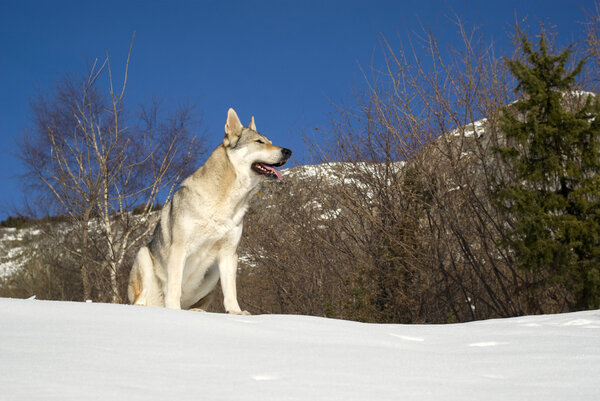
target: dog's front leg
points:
(228, 271)
(174, 278)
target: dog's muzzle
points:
(269, 170)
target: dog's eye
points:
(259, 141)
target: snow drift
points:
(78, 351)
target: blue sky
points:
(282, 61)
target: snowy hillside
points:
(77, 351)
(15, 245)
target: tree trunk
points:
(85, 279)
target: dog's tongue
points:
(274, 170)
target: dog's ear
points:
(252, 126)
(233, 129)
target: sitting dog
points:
(196, 239)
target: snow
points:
(476, 127)
(72, 351)
(333, 171)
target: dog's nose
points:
(286, 153)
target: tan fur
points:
(135, 286)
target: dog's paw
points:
(244, 312)
(196, 310)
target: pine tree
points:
(553, 153)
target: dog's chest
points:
(204, 232)
(209, 236)
(213, 227)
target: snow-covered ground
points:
(78, 351)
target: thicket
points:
(14, 222)
(410, 225)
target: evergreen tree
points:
(553, 153)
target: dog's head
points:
(253, 150)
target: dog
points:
(195, 242)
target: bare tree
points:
(419, 181)
(89, 159)
(399, 223)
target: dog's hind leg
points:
(141, 278)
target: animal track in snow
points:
(486, 344)
(531, 325)
(577, 322)
(407, 338)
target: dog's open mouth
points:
(267, 170)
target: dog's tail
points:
(142, 265)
